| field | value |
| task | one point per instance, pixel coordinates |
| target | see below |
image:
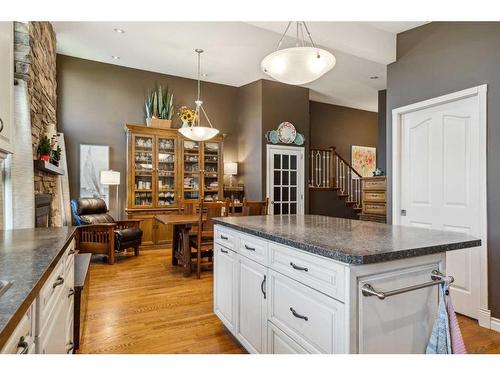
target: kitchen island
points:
(36, 305)
(317, 284)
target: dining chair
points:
(203, 241)
(254, 208)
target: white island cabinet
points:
(279, 299)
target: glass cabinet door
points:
(191, 169)
(166, 194)
(143, 147)
(211, 178)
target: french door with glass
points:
(285, 179)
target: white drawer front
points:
(309, 317)
(279, 343)
(226, 237)
(22, 341)
(318, 273)
(69, 255)
(50, 295)
(253, 248)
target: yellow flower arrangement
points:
(186, 114)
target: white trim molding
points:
(397, 115)
(495, 324)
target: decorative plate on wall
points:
(299, 139)
(287, 132)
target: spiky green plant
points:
(160, 104)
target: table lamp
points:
(231, 169)
(112, 178)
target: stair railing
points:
(329, 171)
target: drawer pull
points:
(262, 287)
(59, 281)
(71, 252)
(223, 237)
(299, 267)
(23, 345)
(71, 292)
(223, 251)
(249, 248)
(297, 315)
(70, 348)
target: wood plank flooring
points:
(144, 305)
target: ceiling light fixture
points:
(119, 31)
(116, 57)
(301, 64)
(195, 131)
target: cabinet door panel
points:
(53, 339)
(400, 323)
(147, 226)
(226, 286)
(279, 343)
(252, 322)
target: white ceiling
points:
(233, 51)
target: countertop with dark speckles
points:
(27, 256)
(350, 241)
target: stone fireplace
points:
(42, 210)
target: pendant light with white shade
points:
(195, 131)
(301, 64)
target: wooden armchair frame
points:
(100, 238)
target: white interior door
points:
(440, 185)
(285, 179)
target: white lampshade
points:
(231, 169)
(198, 133)
(298, 65)
(110, 177)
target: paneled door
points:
(285, 179)
(441, 184)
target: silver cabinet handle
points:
(262, 287)
(71, 252)
(223, 251)
(71, 292)
(223, 237)
(70, 348)
(299, 268)
(24, 345)
(249, 248)
(59, 281)
(1, 124)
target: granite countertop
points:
(27, 256)
(350, 241)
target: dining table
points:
(181, 227)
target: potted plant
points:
(56, 156)
(159, 107)
(44, 149)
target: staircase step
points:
(358, 209)
(342, 195)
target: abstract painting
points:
(364, 160)
(93, 160)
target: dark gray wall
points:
(440, 58)
(96, 100)
(339, 127)
(249, 127)
(382, 114)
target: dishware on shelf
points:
(286, 132)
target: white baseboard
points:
(484, 318)
(495, 324)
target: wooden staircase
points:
(329, 171)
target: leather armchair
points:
(99, 233)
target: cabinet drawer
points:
(374, 196)
(226, 237)
(279, 343)
(374, 208)
(320, 274)
(69, 254)
(310, 318)
(253, 248)
(375, 184)
(50, 295)
(22, 341)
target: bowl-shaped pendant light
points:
(195, 131)
(300, 64)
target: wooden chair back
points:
(189, 207)
(254, 208)
(208, 211)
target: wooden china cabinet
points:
(163, 170)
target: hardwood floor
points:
(144, 305)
